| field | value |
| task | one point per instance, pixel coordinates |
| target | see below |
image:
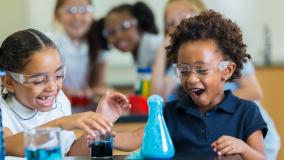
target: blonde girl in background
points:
(83, 58)
(164, 82)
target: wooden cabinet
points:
(272, 83)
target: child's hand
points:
(227, 145)
(113, 105)
(87, 121)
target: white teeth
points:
(195, 90)
(44, 98)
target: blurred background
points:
(260, 20)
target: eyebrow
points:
(200, 62)
(43, 73)
(196, 63)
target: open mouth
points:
(77, 25)
(122, 45)
(45, 100)
(197, 91)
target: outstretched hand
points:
(227, 145)
(113, 105)
(87, 121)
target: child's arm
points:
(87, 121)
(14, 143)
(253, 149)
(81, 143)
(129, 141)
(111, 106)
(249, 88)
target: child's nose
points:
(192, 78)
(118, 34)
(77, 15)
(51, 84)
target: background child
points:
(32, 95)
(208, 50)
(164, 81)
(80, 52)
(131, 28)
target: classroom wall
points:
(251, 15)
(13, 17)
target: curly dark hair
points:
(211, 25)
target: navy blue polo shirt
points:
(192, 132)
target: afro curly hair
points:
(211, 25)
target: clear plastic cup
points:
(42, 143)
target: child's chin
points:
(199, 100)
(199, 103)
(44, 108)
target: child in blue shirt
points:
(208, 50)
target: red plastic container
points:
(79, 101)
(138, 105)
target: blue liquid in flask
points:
(157, 143)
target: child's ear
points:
(9, 84)
(228, 71)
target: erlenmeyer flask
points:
(157, 142)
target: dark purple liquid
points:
(101, 149)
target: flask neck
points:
(154, 111)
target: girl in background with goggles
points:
(131, 28)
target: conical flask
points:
(157, 143)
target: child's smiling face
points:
(205, 84)
(76, 25)
(39, 94)
(123, 31)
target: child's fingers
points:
(231, 151)
(89, 139)
(103, 125)
(222, 145)
(93, 125)
(102, 120)
(119, 97)
(113, 133)
(86, 128)
(225, 150)
(220, 140)
(129, 106)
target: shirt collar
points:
(22, 111)
(228, 104)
